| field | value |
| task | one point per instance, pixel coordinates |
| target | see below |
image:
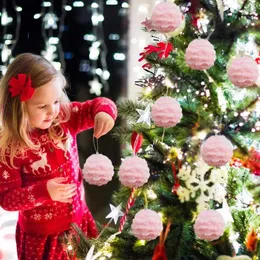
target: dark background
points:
(74, 52)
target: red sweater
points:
(24, 189)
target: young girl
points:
(40, 174)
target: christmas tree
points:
(190, 182)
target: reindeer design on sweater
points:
(66, 145)
(42, 163)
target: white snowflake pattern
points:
(37, 217)
(48, 216)
(38, 204)
(31, 198)
(75, 109)
(30, 188)
(197, 181)
(6, 175)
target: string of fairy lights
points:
(98, 49)
(9, 35)
(52, 32)
(52, 28)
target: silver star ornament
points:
(145, 115)
(115, 213)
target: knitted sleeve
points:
(15, 197)
(83, 114)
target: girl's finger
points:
(70, 186)
(68, 191)
(68, 195)
(98, 129)
(71, 193)
(106, 128)
(64, 187)
(110, 125)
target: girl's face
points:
(44, 106)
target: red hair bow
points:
(21, 87)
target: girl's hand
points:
(103, 123)
(61, 192)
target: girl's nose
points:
(51, 110)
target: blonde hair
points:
(14, 126)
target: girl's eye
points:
(42, 107)
(56, 102)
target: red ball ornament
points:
(200, 54)
(147, 225)
(217, 150)
(98, 170)
(243, 71)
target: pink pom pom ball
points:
(133, 172)
(200, 54)
(217, 150)
(209, 225)
(166, 112)
(166, 17)
(243, 71)
(98, 170)
(147, 225)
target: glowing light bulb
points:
(78, 4)
(68, 8)
(94, 5)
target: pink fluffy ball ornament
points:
(200, 54)
(147, 225)
(166, 112)
(166, 17)
(217, 150)
(133, 172)
(98, 170)
(243, 71)
(209, 225)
